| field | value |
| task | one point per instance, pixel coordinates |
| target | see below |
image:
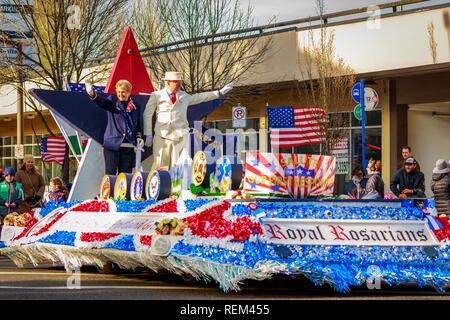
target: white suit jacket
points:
(171, 119)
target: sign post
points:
(363, 125)
(359, 111)
(239, 122)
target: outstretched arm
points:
(103, 103)
(207, 96)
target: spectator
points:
(406, 153)
(2, 178)
(58, 191)
(375, 184)
(33, 184)
(11, 194)
(358, 182)
(408, 182)
(440, 185)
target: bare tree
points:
(146, 22)
(204, 40)
(327, 82)
(432, 41)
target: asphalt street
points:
(48, 282)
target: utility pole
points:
(19, 99)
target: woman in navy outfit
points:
(123, 130)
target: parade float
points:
(237, 217)
(233, 235)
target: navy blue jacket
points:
(116, 126)
(414, 181)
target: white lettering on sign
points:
(348, 232)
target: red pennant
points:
(129, 66)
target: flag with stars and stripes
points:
(80, 87)
(53, 149)
(296, 126)
(297, 175)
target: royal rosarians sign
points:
(348, 232)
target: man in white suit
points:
(172, 128)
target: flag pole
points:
(363, 126)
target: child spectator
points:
(370, 166)
(11, 194)
(58, 191)
(375, 184)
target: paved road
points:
(50, 282)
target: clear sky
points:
(284, 10)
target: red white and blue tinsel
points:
(224, 242)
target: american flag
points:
(80, 87)
(295, 126)
(53, 149)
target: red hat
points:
(1, 170)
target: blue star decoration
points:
(255, 162)
(272, 167)
(253, 185)
(276, 187)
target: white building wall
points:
(397, 42)
(429, 138)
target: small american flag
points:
(53, 149)
(295, 126)
(130, 105)
(80, 87)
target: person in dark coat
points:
(408, 182)
(123, 130)
(375, 184)
(11, 194)
(440, 185)
(358, 182)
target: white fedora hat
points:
(173, 76)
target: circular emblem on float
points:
(199, 168)
(105, 188)
(161, 246)
(158, 185)
(137, 186)
(120, 188)
(153, 185)
(252, 206)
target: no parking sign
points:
(239, 117)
